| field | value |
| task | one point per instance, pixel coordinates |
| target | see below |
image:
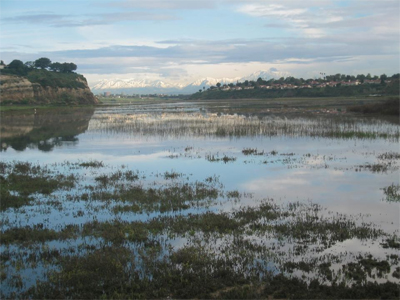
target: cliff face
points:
(19, 90)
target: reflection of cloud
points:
(339, 191)
(276, 185)
(294, 183)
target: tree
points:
(68, 67)
(383, 78)
(42, 63)
(218, 84)
(30, 64)
(17, 67)
(16, 64)
(56, 67)
(361, 77)
(200, 90)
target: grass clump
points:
(92, 164)
(172, 175)
(252, 151)
(225, 158)
(20, 181)
(392, 192)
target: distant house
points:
(350, 83)
(332, 83)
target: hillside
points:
(389, 89)
(44, 87)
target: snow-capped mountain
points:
(133, 83)
(209, 81)
(266, 75)
(146, 86)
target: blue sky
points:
(184, 40)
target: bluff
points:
(44, 87)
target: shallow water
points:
(324, 159)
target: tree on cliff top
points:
(42, 63)
(63, 68)
(17, 67)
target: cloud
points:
(162, 4)
(321, 18)
(119, 58)
(57, 20)
(260, 10)
(301, 35)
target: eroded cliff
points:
(21, 90)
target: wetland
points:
(202, 199)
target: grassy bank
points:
(389, 107)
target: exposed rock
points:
(17, 89)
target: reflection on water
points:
(338, 163)
(202, 124)
(43, 129)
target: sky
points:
(185, 40)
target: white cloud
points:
(271, 10)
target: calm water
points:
(326, 159)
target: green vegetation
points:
(338, 85)
(244, 253)
(89, 229)
(26, 179)
(392, 192)
(53, 83)
(389, 107)
(17, 67)
(56, 80)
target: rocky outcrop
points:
(15, 88)
(19, 90)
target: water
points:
(331, 160)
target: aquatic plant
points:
(392, 192)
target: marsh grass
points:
(19, 182)
(216, 125)
(167, 239)
(252, 151)
(392, 192)
(216, 158)
(92, 164)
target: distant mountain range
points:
(148, 86)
